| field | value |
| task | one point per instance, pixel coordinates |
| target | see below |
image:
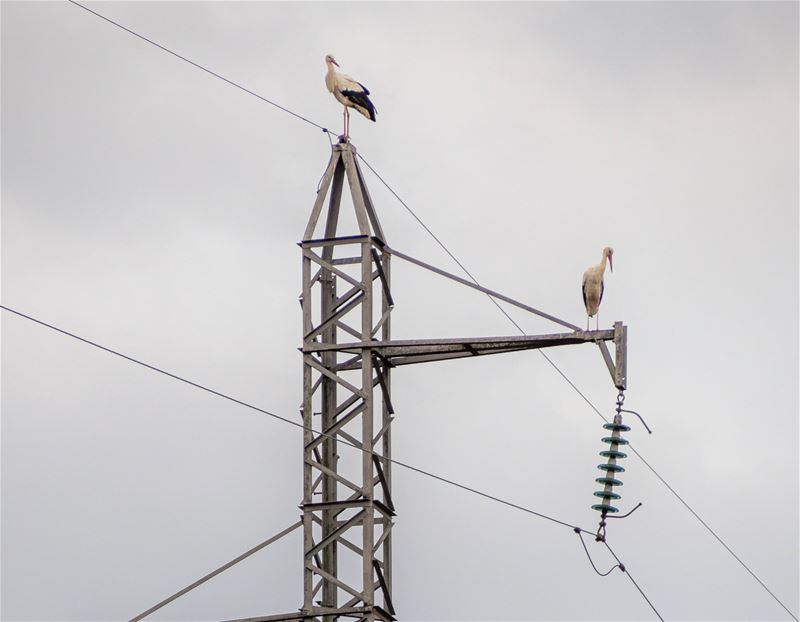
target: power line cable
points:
(713, 533)
(572, 384)
(405, 465)
(199, 66)
(289, 421)
(627, 572)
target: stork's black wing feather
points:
(366, 90)
(602, 287)
(583, 291)
(359, 98)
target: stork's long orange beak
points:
(333, 60)
(611, 263)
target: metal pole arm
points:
(214, 573)
(480, 288)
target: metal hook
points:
(628, 514)
(633, 412)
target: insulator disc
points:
(608, 481)
(614, 468)
(604, 507)
(617, 426)
(618, 440)
(607, 495)
(613, 453)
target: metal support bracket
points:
(618, 368)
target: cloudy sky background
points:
(155, 209)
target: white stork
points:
(593, 285)
(349, 93)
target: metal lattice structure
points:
(347, 357)
(348, 354)
(347, 503)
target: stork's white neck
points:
(602, 265)
(330, 77)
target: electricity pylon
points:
(348, 355)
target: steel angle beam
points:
(405, 352)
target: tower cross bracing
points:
(347, 505)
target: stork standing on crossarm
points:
(593, 285)
(349, 93)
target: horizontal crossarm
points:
(405, 352)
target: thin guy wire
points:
(577, 390)
(199, 66)
(627, 572)
(293, 423)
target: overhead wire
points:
(289, 421)
(714, 533)
(394, 461)
(199, 66)
(627, 572)
(444, 247)
(577, 390)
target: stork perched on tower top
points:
(349, 93)
(593, 285)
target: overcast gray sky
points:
(155, 209)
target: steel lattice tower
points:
(347, 503)
(348, 354)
